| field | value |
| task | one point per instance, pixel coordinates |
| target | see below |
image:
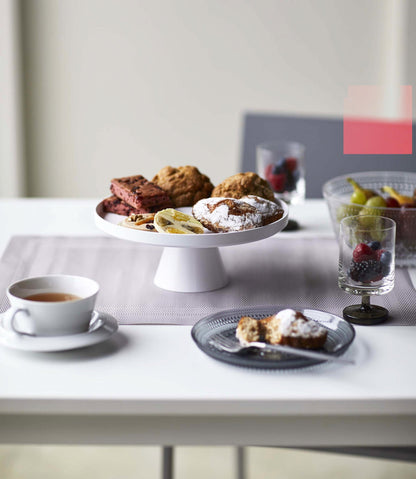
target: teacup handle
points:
(8, 319)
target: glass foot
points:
(365, 315)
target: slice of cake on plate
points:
(287, 327)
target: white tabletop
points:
(152, 385)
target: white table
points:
(152, 385)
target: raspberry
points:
(363, 252)
(366, 271)
(278, 183)
(291, 164)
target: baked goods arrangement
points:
(287, 327)
(241, 202)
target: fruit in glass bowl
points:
(396, 190)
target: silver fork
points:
(232, 346)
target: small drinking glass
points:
(366, 264)
(281, 163)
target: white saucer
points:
(102, 326)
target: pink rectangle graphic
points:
(369, 137)
(364, 135)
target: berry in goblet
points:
(366, 264)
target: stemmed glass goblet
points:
(366, 264)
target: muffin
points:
(244, 184)
(185, 185)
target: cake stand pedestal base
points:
(190, 270)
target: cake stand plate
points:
(189, 263)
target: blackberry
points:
(366, 271)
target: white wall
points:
(12, 176)
(125, 87)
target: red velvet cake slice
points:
(140, 193)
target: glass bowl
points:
(337, 193)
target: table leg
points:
(240, 463)
(167, 462)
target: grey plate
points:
(340, 336)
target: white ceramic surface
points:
(102, 326)
(109, 223)
(201, 269)
(194, 259)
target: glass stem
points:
(365, 304)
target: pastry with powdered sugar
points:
(222, 215)
(292, 328)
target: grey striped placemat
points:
(296, 272)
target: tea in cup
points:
(51, 305)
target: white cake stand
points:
(189, 263)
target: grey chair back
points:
(323, 139)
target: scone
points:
(292, 328)
(185, 185)
(244, 184)
(222, 215)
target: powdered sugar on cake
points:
(230, 214)
(227, 214)
(287, 327)
(263, 206)
(293, 323)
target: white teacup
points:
(52, 305)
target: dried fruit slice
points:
(142, 222)
(176, 222)
(139, 219)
